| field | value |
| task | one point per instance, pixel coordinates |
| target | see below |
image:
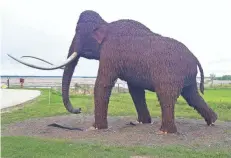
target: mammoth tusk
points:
(40, 59)
(69, 60)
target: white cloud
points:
(45, 29)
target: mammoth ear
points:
(100, 33)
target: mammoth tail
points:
(202, 77)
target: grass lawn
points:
(120, 105)
(27, 147)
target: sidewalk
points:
(12, 97)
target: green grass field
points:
(120, 105)
(24, 147)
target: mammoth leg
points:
(104, 83)
(167, 95)
(193, 98)
(138, 97)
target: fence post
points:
(8, 82)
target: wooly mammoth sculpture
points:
(128, 50)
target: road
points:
(12, 97)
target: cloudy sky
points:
(45, 29)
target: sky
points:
(45, 29)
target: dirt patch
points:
(190, 132)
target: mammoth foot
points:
(167, 128)
(143, 121)
(92, 128)
(212, 119)
(97, 126)
(210, 123)
(161, 132)
(135, 123)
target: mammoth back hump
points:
(129, 28)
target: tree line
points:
(224, 77)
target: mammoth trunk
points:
(66, 80)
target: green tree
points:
(224, 77)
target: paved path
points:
(12, 97)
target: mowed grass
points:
(120, 104)
(28, 147)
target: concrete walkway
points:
(12, 97)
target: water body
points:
(52, 81)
